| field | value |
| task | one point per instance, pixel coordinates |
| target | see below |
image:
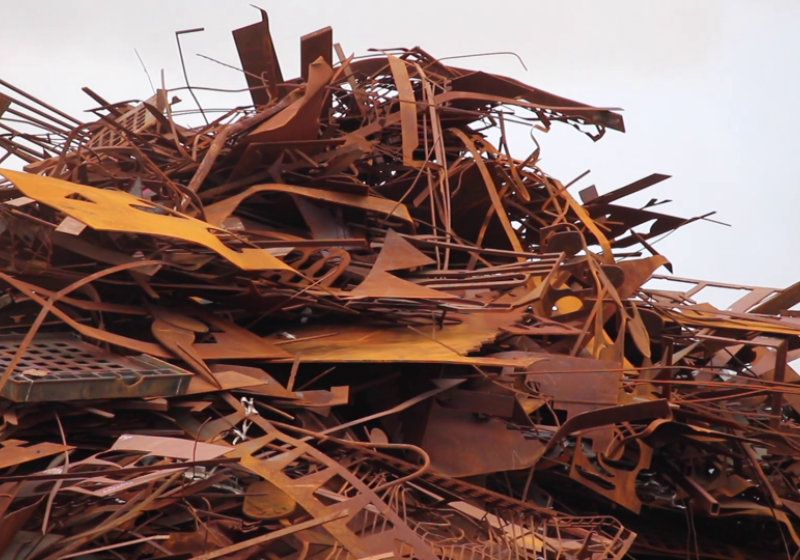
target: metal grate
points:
(135, 120)
(62, 367)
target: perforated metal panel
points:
(62, 367)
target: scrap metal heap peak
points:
(341, 323)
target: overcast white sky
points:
(710, 89)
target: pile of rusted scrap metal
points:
(340, 324)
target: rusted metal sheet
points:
(259, 60)
(342, 324)
(318, 44)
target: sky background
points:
(710, 90)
